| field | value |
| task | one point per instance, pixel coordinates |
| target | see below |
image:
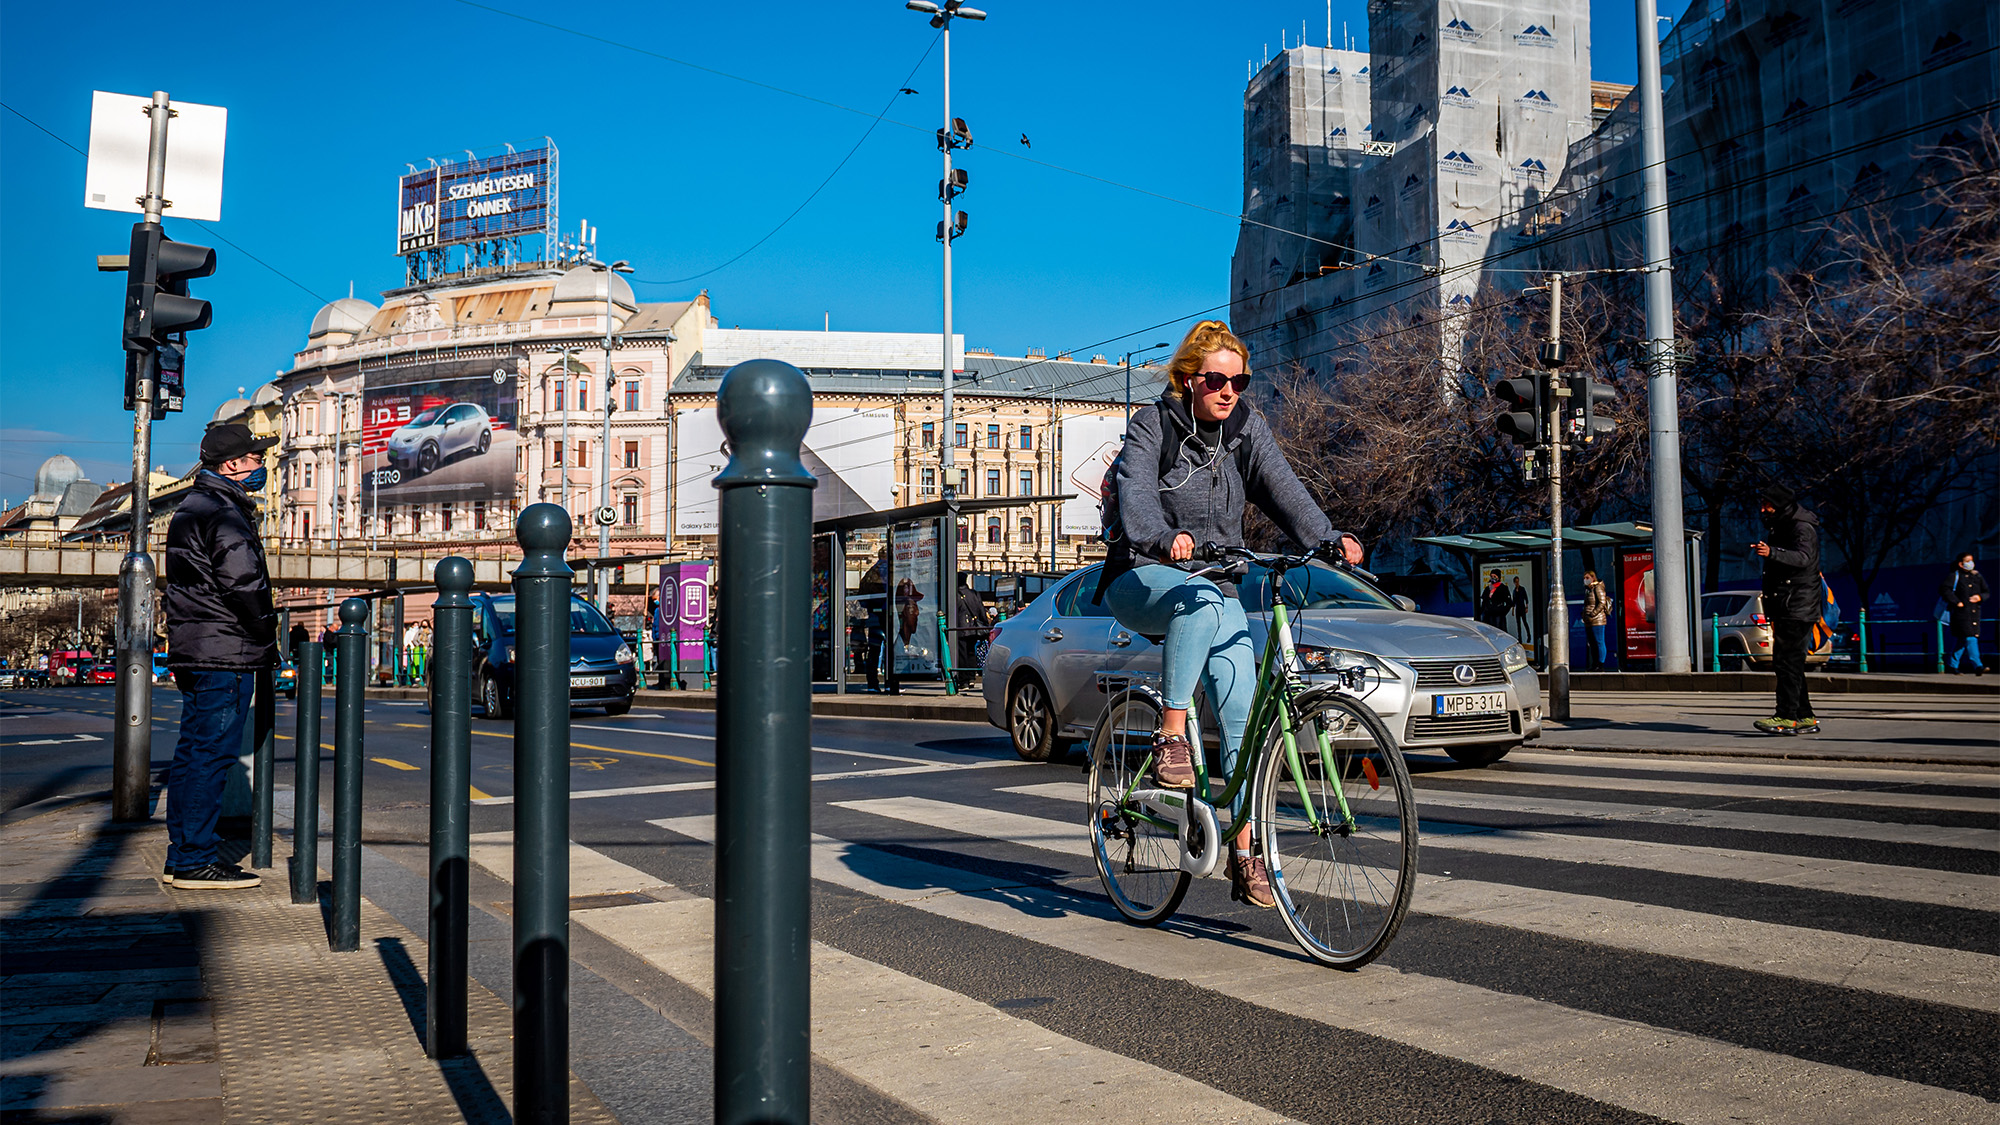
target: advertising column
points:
(1636, 601)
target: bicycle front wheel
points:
(1137, 852)
(1342, 878)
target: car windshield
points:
(1318, 586)
(584, 620)
(426, 418)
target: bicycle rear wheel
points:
(1342, 885)
(1137, 853)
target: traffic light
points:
(1585, 393)
(157, 305)
(1523, 421)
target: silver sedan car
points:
(1438, 682)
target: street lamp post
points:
(953, 135)
(1128, 378)
(604, 512)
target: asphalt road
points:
(1597, 937)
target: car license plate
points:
(1469, 703)
(586, 681)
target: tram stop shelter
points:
(916, 534)
(1524, 554)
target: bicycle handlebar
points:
(1328, 552)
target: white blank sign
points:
(121, 133)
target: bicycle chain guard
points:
(1194, 822)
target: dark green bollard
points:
(350, 684)
(305, 780)
(451, 805)
(763, 730)
(263, 760)
(541, 819)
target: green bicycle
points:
(1331, 809)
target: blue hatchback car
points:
(602, 672)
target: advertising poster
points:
(439, 429)
(681, 611)
(467, 201)
(1089, 444)
(1636, 601)
(1518, 610)
(913, 628)
(851, 451)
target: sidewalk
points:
(129, 1002)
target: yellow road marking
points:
(477, 794)
(393, 763)
(611, 750)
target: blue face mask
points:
(255, 481)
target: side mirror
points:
(1407, 605)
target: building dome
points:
(582, 289)
(265, 395)
(231, 409)
(348, 316)
(56, 474)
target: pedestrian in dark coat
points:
(1793, 601)
(1964, 594)
(973, 621)
(222, 627)
(1495, 602)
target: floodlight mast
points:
(953, 135)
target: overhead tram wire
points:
(870, 131)
(59, 139)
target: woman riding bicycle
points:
(1190, 462)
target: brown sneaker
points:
(1173, 761)
(1249, 881)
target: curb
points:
(1763, 683)
(1788, 756)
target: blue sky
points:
(679, 168)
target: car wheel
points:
(494, 700)
(427, 457)
(617, 708)
(1484, 755)
(485, 440)
(1031, 720)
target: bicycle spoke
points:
(1137, 854)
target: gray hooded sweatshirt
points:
(1203, 490)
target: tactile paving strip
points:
(309, 1035)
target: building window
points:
(312, 419)
(520, 459)
(993, 530)
(388, 524)
(309, 474)
(1027, 437)
(964, 532)
(582, 452)
(965, 482)
(583, 394)
(1027, 483)
(560, 384)
(444, 516)
(631, 509)
(555, 455)
(1027, 531)
(306, 524)
(479, 515)
(930, 481)
(958, 438)
(632, 395)
(631, 454)
(993, 436)
(992, 482)
(930, 434)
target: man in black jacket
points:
(222, 626)
(1793, 601)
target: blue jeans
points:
(1596, 645)
(1968, 648)
(1208, 642)
(214, 706)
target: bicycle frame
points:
(1273, 691)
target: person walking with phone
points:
(1792, 599)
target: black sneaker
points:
(215, 877)
(167, 875)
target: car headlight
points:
(1314, 659)
(623, 655)
(1514, 659)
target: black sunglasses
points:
(1214, 380)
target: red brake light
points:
(993, 634)
(1760, 619)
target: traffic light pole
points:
(132, 736)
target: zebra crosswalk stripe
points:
(1874, 798)
(1939, 976)
(1875, 880)
(1690, 1078)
